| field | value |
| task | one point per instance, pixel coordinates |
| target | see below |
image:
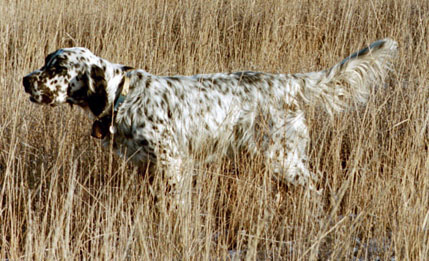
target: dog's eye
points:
(54, 70)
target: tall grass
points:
(64, 197)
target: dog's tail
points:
(351, 80)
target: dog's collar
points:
(122, 93)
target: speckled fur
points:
(165, 119)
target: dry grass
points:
(63, 197)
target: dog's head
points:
(75, 76)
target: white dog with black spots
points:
(165, 119)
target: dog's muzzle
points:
(29, 83)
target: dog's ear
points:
(97, 94)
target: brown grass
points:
(64, 197)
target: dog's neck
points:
(114, 75)
(121, 92)
(116, 90)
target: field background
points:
(63, 197)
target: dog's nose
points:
(27, 82)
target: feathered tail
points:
(351, 80)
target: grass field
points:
(64, 197)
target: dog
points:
(166, 119)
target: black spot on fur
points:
(251, 78)
(270, 84)
(164, 97)
(219, 102)
(216, 82)
(147, 83)
(126, 68)
(169, 114)
(139, 75)
(173, 78)
(143, 142)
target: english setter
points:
(164, 119)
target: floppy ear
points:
(97, 95)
